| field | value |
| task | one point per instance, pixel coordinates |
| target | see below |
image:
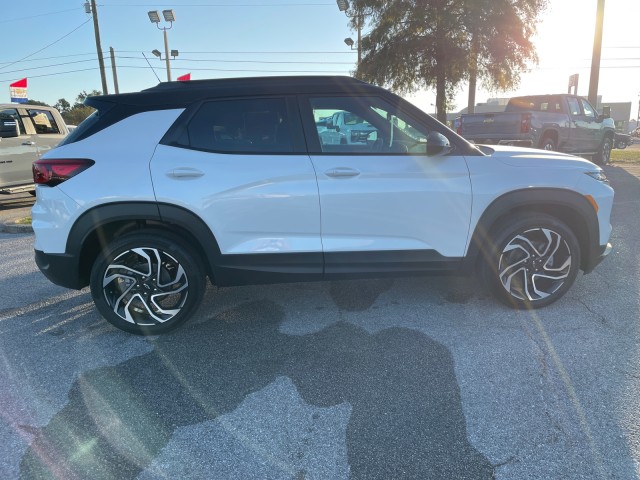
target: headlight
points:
(598, 175)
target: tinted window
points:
(10, 123)
(540, 104)
(79, 131)
(244, 125)
(366, 125)
(43, 121)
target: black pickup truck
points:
(561, 122)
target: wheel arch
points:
(569, 207)
(549, 133)
(95, 228)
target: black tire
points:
(604, 154)
(532, 262)
(131, 295)
(548, 143)
(621, 145)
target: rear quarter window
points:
(260, 125)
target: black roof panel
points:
(179, 94)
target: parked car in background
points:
(347, 128)
(234, 180)
(622, 140)
(564, 123)
(26, 132)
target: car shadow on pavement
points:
(406, 414)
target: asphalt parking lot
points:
(385, 379)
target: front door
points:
(393, 200)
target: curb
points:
(10, 226)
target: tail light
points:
(525, 123)
(53, 172)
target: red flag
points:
(18, 91)
(184, 78)
(20, 83)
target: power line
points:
(38, 15)
(214, 60)
(340, 72)
(43, 48)
(256, 52)
(57, 56)
(155, 5)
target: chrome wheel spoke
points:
(534, 264)
(145, 286)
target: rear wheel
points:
(147, 283)
(548, 143)
(532, 262)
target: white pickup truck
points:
(26, 132)
(344, 128)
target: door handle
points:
(28, 143)
(185, 172)
(342, 172)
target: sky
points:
(52, 43)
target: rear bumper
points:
(599, 255)
(61, 269)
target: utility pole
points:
(96, 28)
(595, 57)
(113, 69)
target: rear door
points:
(393, 200)
(241, 165)
(49, 129)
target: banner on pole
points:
(18, 91)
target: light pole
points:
(170, 17)
(343, 6)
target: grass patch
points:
(625, 156)
(23, 221)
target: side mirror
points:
(437, 144)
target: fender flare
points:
(170, 216)
(568, 206)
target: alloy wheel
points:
(145, 286)
(534, 264)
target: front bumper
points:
(598, 256)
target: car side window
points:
(242, 125)
(366, 125)
(574, 106)
(588, 110)
(10, 123)
(43, 121)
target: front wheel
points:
(604, 154)
(147, 282)
(532, 261)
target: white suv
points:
(229, 179)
